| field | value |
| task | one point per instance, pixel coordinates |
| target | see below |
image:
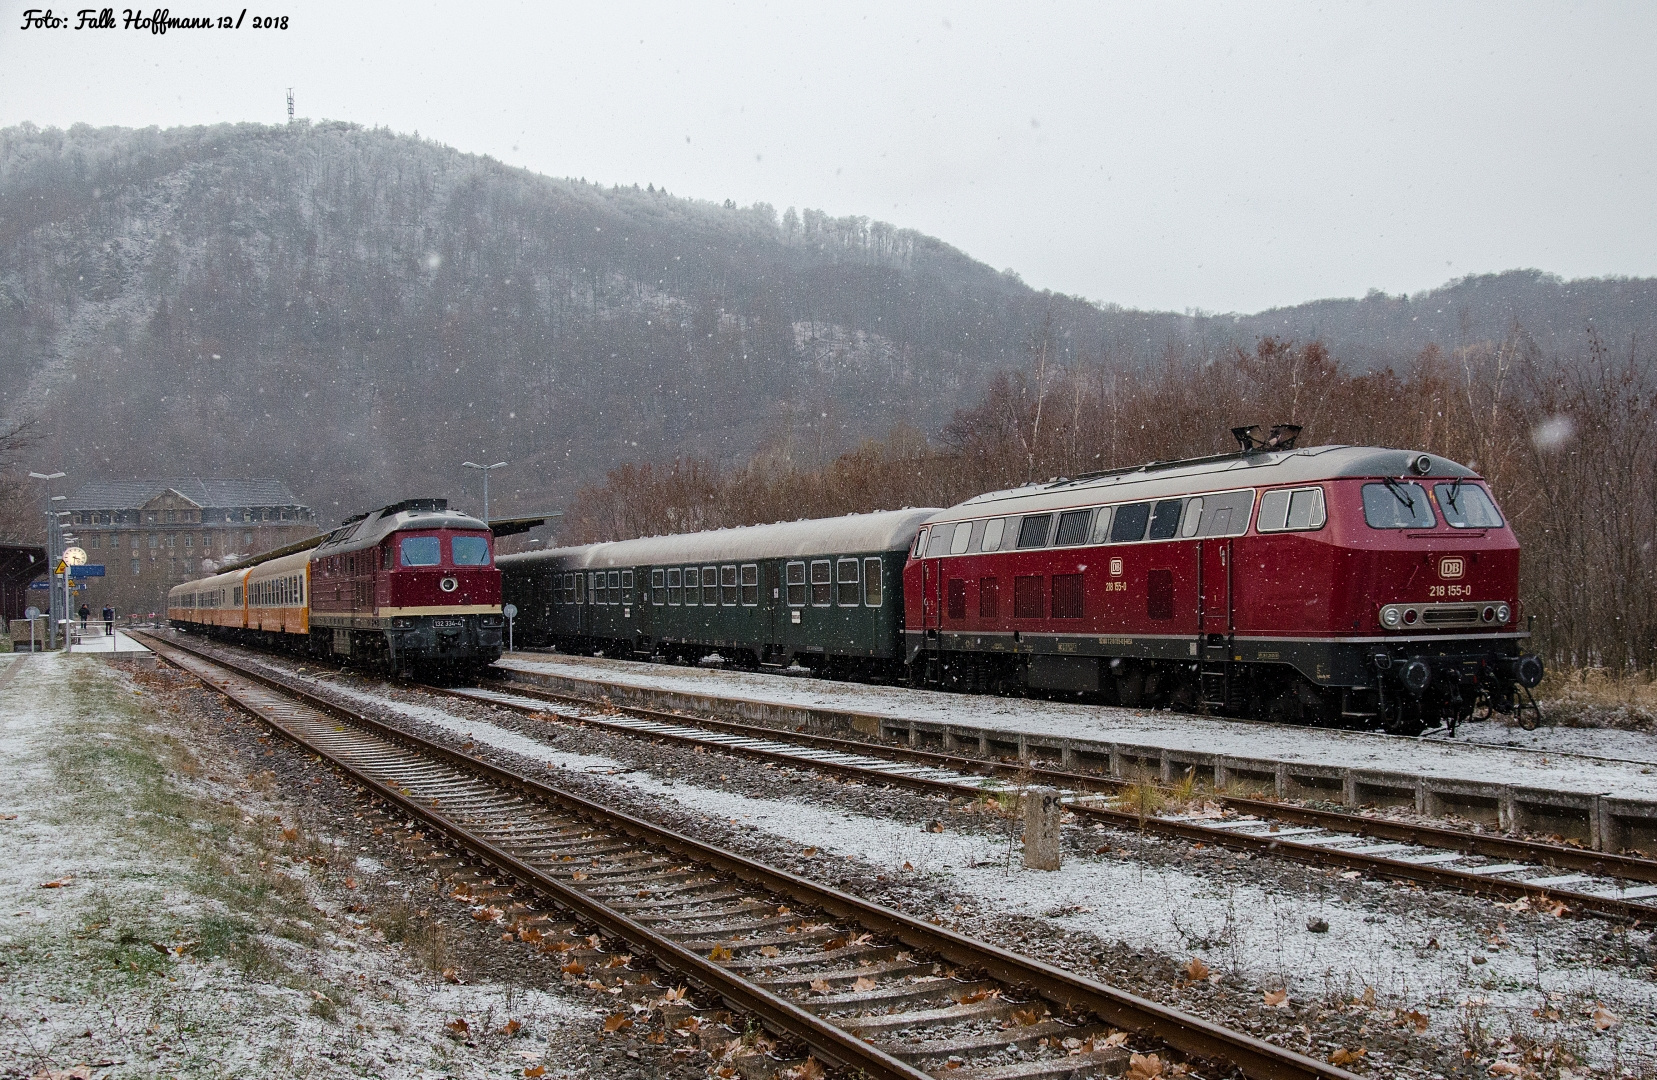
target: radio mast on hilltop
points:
(290, 104)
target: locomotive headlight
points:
(1503, 613)
(1391, 617)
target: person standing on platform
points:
(109, 621)
(86, 613)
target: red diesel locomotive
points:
(1335, 584)
(409, 589)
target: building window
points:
(95, 541)
(155, 541)
(206, 541)
(247, 537)
(137, 567)
(189, 541)
(171, 517)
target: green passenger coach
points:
(826, 594)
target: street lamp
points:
(485, 470)
(53, 550)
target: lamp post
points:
(485, 470)
(53, 549)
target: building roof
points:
(132, 494)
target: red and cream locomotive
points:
(411, 588)
(1335, 584)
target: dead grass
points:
(1595, 697)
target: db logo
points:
(1116, 568)
(1451, 568)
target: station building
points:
(152, 534)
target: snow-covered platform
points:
(1606, 802)
(94, 640)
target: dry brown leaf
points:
(1276, 997)
(618, 961)
(574, 967)
(863, 985)
(1026, 1017)
(1604, 1018)
(971, 997)
(487, 913)
(556, 946)
(350, 883)
(579, 876)
(450, 976)
(656, 1038)
(538, 1070)
(1343, 1056)
(1196, 970)
(1419, 1019)
(834, 943)
(1506, 1068)
(617, 1021)
(58, 883)
(458, 1026)
(1115, 1038)
(808, 852)
(805, 1070)
(719, 952)
(822, 986)
(529, 934)
(676, 993)
(510, 1028)
(769, 951)
(1144, 1067)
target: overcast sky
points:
(1222, 157)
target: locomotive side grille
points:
(1437, 615)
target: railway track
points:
(862, 986)
(1616, 886)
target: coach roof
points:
(886, 530)
(1165, 480)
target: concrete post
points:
(1042, 811)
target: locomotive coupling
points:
(1416, 676)
(1526, 670)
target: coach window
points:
(581, 588)
(421, 551)
(750, 585)
(795, 576)
(1130, 523)
(595, 585)
(845, 573)
(618, 588)
(569, 588)
(938, 546)
(1032, 531)
(1466, 506)
(822, 587)
(1165, 521)
(1072, 528)
(1297, 510)
(710, 586)
(871, 583)
(658, 588)
(963, 534)
(1392, 505)
(993, 529)
(692, 590)
(1193, 517)
(727, 586)
(675, 587)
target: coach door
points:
(1214, 592)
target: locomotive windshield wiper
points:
(1455, 490)
(1399, 493)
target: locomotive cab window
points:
(794, 575)
(1467, 506)
(822, 584)
(1297, 510)
(938, 546)
(846, 576)
(470, 550)
(871, 583)
(1394, 505)
(1072, 528)
(1130, 523)
(920, 543)
(1225, 513)
(420, 551)
(750, 585)
(727, 586)
(658, 588)
(993, 530)
(1032, 531)
(675, 590)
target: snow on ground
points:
(263, 982)
(1438, 758)
(1413, 959)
